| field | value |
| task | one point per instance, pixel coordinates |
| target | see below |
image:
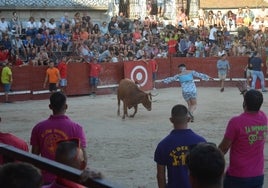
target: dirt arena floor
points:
(123, 150)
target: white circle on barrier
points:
(142, 72)
(139, 76)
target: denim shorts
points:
(7, 87)
(236, 182)
(63, 82)
(93, 81)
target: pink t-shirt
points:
(46, 134)
(247, 133)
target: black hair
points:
(206, 164)
(20, 175)
(182, 65)
(57, 101)
(253, 100)
(66, 151)
(179, 114)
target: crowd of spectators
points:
(123, 39)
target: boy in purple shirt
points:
(58, 126)
(170, 154)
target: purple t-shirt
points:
(172, 151)
(247, 133)
(47, 133)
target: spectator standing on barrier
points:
(7, 79)
(256, 64)
(63, 69)
(18, 175)
(58, 126)
(223, 68)
(94, 73)
(245, 137)
(69, 152)
(52, 77)
(206, 166)
(170, 154)
(186, 79)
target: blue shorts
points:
(189, 95)
(236, 182)
(154, 76)
(93, 81)
(7, 87)
(63, 82)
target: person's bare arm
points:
(85, 155)
(161, 176)
(35, 150)
(225, 145)
(45, 82)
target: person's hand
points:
(87, 173)
(242, 86)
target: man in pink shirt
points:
(245, 137)
(58, 126)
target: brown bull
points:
(132, 95)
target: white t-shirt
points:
(211, 33)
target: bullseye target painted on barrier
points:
(140, 72)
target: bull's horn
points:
(150, 97)
(154, 95)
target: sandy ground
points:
(123, 150)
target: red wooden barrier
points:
(28, 80)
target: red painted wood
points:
(31, 79)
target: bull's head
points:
(147, 102)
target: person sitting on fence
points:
(85, 52)
(41, 58)
(29, 46)
(31, 27)
(63, 41)
(18, 47)
(15, 24)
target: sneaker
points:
(222, 89)
(264, 90)
(191, 116)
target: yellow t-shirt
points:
(6, 75)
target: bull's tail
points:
(118, 105)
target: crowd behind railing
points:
(122, 39)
